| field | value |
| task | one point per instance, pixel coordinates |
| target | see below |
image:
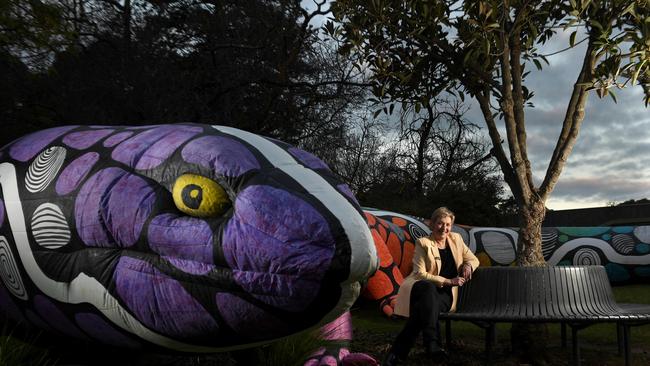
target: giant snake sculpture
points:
(186, 237)
(200, 238)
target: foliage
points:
(414, 48)
(439, 146)
(32, 28)
(359, 155)
(641, 201)
(143, 62)
(394, 173)
(258, 65)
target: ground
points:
(597, 347)
(374, 332)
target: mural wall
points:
(623, 250)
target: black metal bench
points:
(574, 296)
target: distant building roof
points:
(633, 214)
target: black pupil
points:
(192, 196)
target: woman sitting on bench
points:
(441, 262)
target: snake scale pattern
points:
(188, 237)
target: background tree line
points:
(262, 66)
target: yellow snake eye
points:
(199, 196)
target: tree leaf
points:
(638, 70)
(329, 27)
(544, 59)
(596, 24)
(630, 9)
(572, 39)
(613, 95)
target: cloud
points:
(600, 189)
(611, 158)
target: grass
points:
(291, 351)
(373, 334)
(17, 352)
(598, 343)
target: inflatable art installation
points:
(198, 238)
(624, 251)
(184, 237)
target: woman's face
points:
(441, 227)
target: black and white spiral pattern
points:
(49, 226)
(44, 168)
(549, 241)
(9, 271)
(586, 257)
(416, 231)
(623, 243)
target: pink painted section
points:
(339, 329)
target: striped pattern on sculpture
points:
(44, 169)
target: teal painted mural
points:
(623, 250)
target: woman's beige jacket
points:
(426, 266)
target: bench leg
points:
(563, 334)
(626, 343)
(575, 353)
(490, 337)
(448, 333)
(619, 339)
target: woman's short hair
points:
(442, 212)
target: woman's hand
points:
(457, 281)
(466, 271)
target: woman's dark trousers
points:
(426, 303)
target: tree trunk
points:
(528, 341)
(529, 243)
(423, 145)
(126, 30)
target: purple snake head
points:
(188, 237)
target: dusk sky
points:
(611, 159)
